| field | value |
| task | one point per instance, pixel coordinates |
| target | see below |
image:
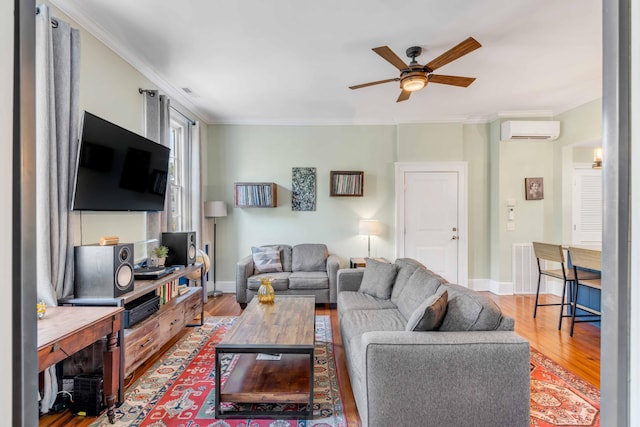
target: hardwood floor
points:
(579, 354)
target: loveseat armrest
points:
(349, 279)
(333, 265)
(446, 378)
(244, 270)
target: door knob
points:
(454, 238)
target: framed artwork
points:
(346, 183)
(534, 188)
(303, 189)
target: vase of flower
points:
(266, 295)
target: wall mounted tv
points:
(118, 170)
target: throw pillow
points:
(429, 315)
(266, 260)
(378, 278)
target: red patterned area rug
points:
(179, 390)
(559, 398)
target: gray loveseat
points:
(306, 269)
(473, 370)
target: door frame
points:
(463, 226)
(578, 167)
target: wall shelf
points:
(346, 183)
(256, 195)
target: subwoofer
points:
(182, 247)
(103, 271)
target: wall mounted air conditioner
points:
(512, 130)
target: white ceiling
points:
(291, 61)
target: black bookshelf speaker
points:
(103, 271)
(182, 247)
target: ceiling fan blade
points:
(391, 57)
(374, 83)
(404, 95)
(467, 46)
(451, 80)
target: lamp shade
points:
(370, 227)
(215, 209)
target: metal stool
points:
(552, 252)
(592, 260)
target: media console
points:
(144, 338)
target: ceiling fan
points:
(414, 76)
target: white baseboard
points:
(501, 288)
(480, 284)
(225, 287)
(493, 286)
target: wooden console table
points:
(66, 330)
(145, 338)
(356, 262)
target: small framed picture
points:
(534, 188)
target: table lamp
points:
(369, 227)
(215, 209)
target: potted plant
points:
(158, 256)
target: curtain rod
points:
(54, 22)
(189, 119)
(153, 92)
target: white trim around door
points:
(460, 168)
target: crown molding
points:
(96, 30)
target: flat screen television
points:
(118, 170)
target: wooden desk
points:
(66, 330)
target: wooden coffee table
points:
(285, 328)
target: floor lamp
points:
(215, 210)
(369, 227)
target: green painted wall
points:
(549, 219)
(579, 126)
(109, 88)
(475, 151)
(267, 153)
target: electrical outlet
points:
(511, 226)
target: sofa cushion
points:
(421, 285)
(357, 322)
(429, 315)
(308, 280)
(266, 259)
(285, 255)
(309, 257)
(280, 281)
(378, 278)
(467, 310)
(348, 301)
(406, 267)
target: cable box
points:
(138, 310)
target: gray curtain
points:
(57, 86)
(156, 111)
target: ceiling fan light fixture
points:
(413, 82)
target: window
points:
(179, 218)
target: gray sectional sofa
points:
(470, 370)
(305, 269)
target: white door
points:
(431, 217)
(587, 207)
